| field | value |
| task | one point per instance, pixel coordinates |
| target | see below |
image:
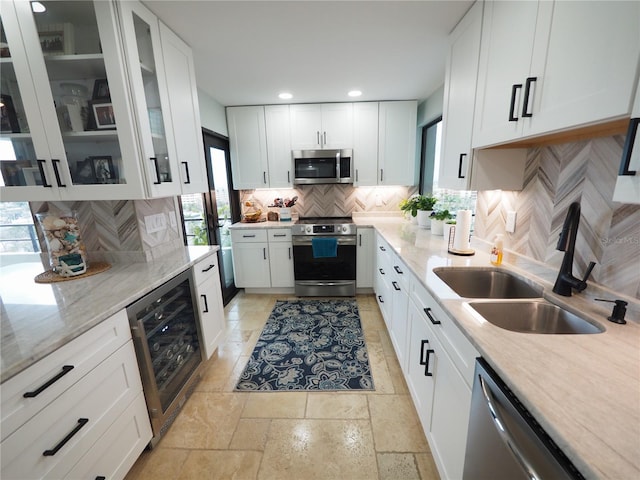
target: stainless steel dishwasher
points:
(504, 440)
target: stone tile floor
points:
(222, 434)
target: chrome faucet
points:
(567, 244)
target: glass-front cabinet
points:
(84, 109)
(67, 129)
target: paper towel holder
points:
(454, 251)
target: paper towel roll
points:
(463, 231)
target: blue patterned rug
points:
(309, 345)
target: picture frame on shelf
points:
(103, 115)
(13, 172)
(8, 118)
(83, 173)
(52, 42)
(101, 91)
(103, 169)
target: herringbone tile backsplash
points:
(556, 176)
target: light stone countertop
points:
(39, 318)
(267, 224)
(583, 389)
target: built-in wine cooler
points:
(166, 336)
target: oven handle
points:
(316, 283)
(306, 240)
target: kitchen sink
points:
(480, 282)
(533, 317)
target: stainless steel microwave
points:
(313, 167)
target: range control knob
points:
(344, 228)
(308, 229)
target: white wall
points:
(212, 114)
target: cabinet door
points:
(420, 366)
(397, 142)
(141, 32)
(508, 31)
(337, 125)
(306, 126)
(75, 86)
(585, 59)
(459, 100)
(185, 111)
(251, 265)
(211, 311)
(399, 321)
(364, 258)
(278, 145)
(281, 264)
(365, 143)
(248, 147)
(450, 415)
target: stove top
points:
(328, 226)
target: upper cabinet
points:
(320, 126)
(248, 147)
(365, 143)
(459, 101)
(397, 126)
(551, 66)
(627, 188)
(87, 106)
(278, 146)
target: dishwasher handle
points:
(504, 433)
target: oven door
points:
(324, 275)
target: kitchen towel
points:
(463, 231)
(324, 247)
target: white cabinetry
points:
(278, 145)
(440, 378)
(552, 66)
(382, 282)
(248, 147)
(250, 258)
(397, 125)
(281, 257)
(185, 111)
(320, 126)
(364, 257)
(78, 418)
(365, 143)
(459, 99)
(627, 188)
(207, 278)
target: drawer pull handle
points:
(65, 369)
(395, 285)
(101, 477)
(397, 269)
(279, 234)
(204, 270)
(382, 248)
(81, 423)
(248, 236)
(381, 271)
(433, 320)
(380, 299)
(206, 305)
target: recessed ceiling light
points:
(38, 7)
(355, 93)
(285, 96)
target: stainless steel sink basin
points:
(479, 282)
(533, 317)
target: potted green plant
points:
(438, 218)
(409, 207)
(424, 208)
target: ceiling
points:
(246, 52)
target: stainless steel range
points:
(324, 256)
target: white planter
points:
(423, 218)
(437, 227)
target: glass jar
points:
(67, 254)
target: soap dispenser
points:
(497, 250)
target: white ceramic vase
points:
(423, 218)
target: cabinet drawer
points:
(247, 235)
(458, 347)
(400, 272)
(117, 450)
(88, 409)
(82, 354)
(205, 268)
(279, 235)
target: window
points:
(17, 232)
